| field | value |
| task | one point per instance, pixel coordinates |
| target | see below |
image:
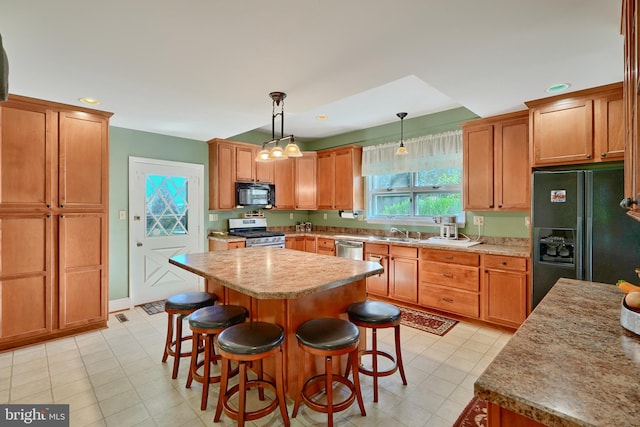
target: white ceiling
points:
(201, 69)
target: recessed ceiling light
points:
(558, 88)
(89, 101)
(321, 117)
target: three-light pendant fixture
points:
(276, 152)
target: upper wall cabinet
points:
(231, 161)
(630, 107)
(496, 163)
(340, 183)
(579, 127)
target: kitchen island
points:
(571, 363)
(283, 286)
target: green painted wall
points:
(126, 142)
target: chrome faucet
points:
(404, 233)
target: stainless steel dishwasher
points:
(349, 249)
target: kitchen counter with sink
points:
(571, 363)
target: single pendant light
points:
(401, 151)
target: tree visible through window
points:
(421, 194)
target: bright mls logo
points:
(34, 415)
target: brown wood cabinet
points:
(496, 163)
(340, 184)
(53, 217)
(579, 127)
(306, 181)
(449, 281)
(218, 245)
(325, 246)
(284, 180)
(505, 290)
(631, 108)
(403, 273)
(247, 169)
(378, 284)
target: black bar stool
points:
(376, 315)
(182, 305)
(206, 323)
(251, 343)
(329, 338)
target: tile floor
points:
(114, 377)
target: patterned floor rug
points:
(426, 322)
(153, 307)
(474, 415)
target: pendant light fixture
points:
(277, 152)
(401, 151)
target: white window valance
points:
(442, 150)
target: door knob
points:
(138, 244)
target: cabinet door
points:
(284, 182)
(82, 258)
(403, 273)
(506, 297)
(83, 161)
(224, 192)
(326, 181)
(343, 185)
(264, 171)
(245, 160)
(25, 276)
(609, 137)
(305, 182)
(28, 139)
(310, 244)
(513, 174)
(290, 243)
(562, 133)
(478, 167)
(379, 283)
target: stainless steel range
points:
(255, 231)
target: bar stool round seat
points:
(328, 338)
(251, 343)
(376, 315)
(180, 306)
(206, 323)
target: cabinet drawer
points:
(450, 275)
(376, 248)
(450, 257)
(325, 243)
(498, 262)
(461, 302)
(403, 251)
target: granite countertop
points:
(571, 363)
(275, 273)
(506, 249)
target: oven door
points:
(249, 244)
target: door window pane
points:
(166, 207)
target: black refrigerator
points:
(579, 229)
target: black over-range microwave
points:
(254, 194)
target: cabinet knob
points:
(588, 156)
(500, 206)
(603, 155)
(48, 206)
(491, 206)
(62, 206)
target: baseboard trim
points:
(120, 304)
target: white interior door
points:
(166, 219)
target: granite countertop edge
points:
(484, 248)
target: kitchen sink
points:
(460, 243)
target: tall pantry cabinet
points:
(53, 220)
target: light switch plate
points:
(122, 214)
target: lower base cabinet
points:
(505, 290)
(379, 283)
(403, 273)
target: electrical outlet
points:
(527, 221)
(291, 215)
(324, 215)
(478, 220)
(213, 217)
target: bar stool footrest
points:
(320, 407)
(384, 354)
(250, 415)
